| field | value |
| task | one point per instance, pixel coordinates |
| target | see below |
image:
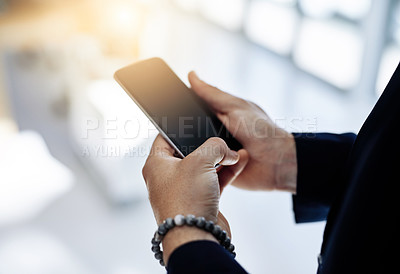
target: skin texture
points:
(193, 185)
(272, 152)
(190, 186)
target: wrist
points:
(286, 173)
(174, 232)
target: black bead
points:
(222, 236)
(157, 237)
(158, 255)
(155, 242)
(190, 220)
(216, 231)
(169, 223)
(200, 222)
(227, 242)
(209, 226)
(155, 248)
(162, 230)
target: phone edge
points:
(149, 117)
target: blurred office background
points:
(72, 144)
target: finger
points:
(218, 100)
(214, 151)
(159, 153)
(161, 148)
(229, 173)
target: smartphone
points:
(182, 117)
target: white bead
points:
(179, 220)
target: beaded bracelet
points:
(190, 220)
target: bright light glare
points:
(226, 13)
(272, 26)
(330, 50)
(189, 5)
(390, 60)
(123, 18)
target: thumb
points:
(228, 174)
(215, 151)
(218, 100)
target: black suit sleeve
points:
(321, 161)
(200, 257)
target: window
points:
(272, 26)
(345, 43)
(331, 50)
(391, 52)
(226, 13)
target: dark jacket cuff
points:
(202, 257)
(321, 161)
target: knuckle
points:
(241, 101)
(217, 146)
(144, 171)
(216, 141)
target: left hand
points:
(272, 161)
(190, 186)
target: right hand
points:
(190, 186)
(272, 161)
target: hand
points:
(272, 161)
(190, 186)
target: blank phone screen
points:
(179, 112)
